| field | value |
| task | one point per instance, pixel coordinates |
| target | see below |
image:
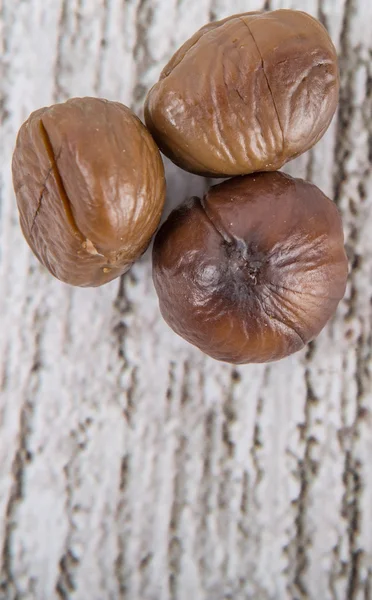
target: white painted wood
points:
(131, 466)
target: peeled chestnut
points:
(245, 94)
(90, 188)
(254, 271)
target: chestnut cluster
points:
(255, 269)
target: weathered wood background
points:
(133, 467)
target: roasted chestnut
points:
(254, 271)
(245, 94)
(90, 188)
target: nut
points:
(254, 271)
(90, 188)
(248, 93)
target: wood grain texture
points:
(133, 467)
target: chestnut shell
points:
(246, 94)
(90, 188)
(254, 271)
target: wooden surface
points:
(132, 467)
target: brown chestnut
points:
(90, 188)
(245, 94)
(254, 271)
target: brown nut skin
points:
(246, 94)
(90, 188)
(254, 271)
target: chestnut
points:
(245, 94)
(254, 270)
(90, 188)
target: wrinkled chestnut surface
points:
(246, 94)
(252, 272)
(90, 188)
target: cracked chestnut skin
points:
(245, 94)
(90, 188)
(253, 271)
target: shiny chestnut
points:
(254, 270)
(90, 188)
(245, 94)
